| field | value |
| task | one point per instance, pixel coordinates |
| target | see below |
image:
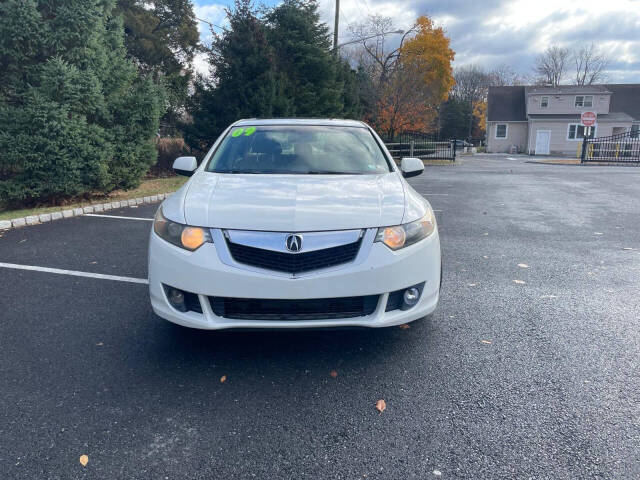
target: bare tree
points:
(504, 75)
(377, 55)
(591, 65)
(472, 83)
(551, 65)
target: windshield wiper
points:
(327, 172)
(239, 171)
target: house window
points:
(584, 101)
(501, 130)
(577, 131)
(635, 131)
(544, 102)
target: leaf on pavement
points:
(84, 459)
(333, 374)
(223, 378)
(519, 282)
(404, 326)
(381, 405)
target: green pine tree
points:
(161, 36)
(242, 82)
(75, 116)
(310, 79)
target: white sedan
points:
(292, 224)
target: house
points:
(546, 120)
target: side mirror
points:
(185, 166)
(410, 167)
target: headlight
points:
(402, 236)
(183, 236)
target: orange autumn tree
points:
(421, 80)
(480, 113)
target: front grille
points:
(304, 309)
(294, 262)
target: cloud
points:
(495, 32)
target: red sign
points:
(588, 119)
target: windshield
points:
(298, 149)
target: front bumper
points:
(205, 273)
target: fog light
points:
(410, 297)
(176, 299)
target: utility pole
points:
(335, 28)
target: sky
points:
(495, 32)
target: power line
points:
(211, 24)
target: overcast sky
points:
(494, 32)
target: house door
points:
(543, 138)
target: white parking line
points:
(74, 273)
(116, 216)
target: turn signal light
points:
(394, 237)
(192, 237)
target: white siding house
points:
(545, 120)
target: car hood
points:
(294, 202)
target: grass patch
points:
(147, 188)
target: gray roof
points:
(506, 104)
(625, 98)
(568, 89)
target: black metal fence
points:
(619, 148)
(420, 145)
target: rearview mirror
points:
(410, 167)
(185, 166)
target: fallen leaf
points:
(333, 374)
(519, 282)
(381, 405)
(405, 326)
(488, 342)
(84, 460)
(223, 378)
(523, 265)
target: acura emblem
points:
(293, 242)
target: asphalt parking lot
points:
(528, 368)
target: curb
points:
(79, 211)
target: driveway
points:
(528, 368)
